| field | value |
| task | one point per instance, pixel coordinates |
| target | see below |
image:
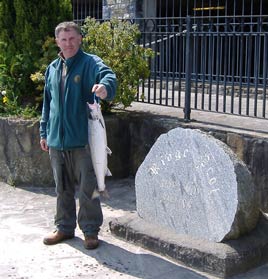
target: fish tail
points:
(105, 194)
(108, 150)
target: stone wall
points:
(119, 9)
(21, 159)
(130, 137)
(129, 9)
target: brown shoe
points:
(91, 242)
(56, 237)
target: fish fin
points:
(108, 150)
(102, 124)
(108, 173)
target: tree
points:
(24, 27)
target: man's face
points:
(69, 42)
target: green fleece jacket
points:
(64, 121)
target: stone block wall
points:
(130, 137)
(21, 159)
(119, 9)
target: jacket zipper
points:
(62, 100)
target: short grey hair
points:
(67, 26)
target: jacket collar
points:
(70, 60)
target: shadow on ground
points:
(134, 264)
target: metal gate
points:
(207, 64)
(212, 57)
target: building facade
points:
(128, 9)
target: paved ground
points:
(26, 215)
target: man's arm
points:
(106, 84)
(44, 118)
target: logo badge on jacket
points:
(77, 79)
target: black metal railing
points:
(213, 64)
(209, 54)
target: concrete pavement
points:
(26, 215)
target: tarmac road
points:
(26, 215)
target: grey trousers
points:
(72, 169)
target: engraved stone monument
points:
(193, 184)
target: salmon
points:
(99, 150)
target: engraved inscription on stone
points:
(193, 184)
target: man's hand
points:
(100, 90)
(43, 144)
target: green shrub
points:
(116, 42)
(49, 53)
(24, 26)
(13, 69)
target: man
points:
(70, 81)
